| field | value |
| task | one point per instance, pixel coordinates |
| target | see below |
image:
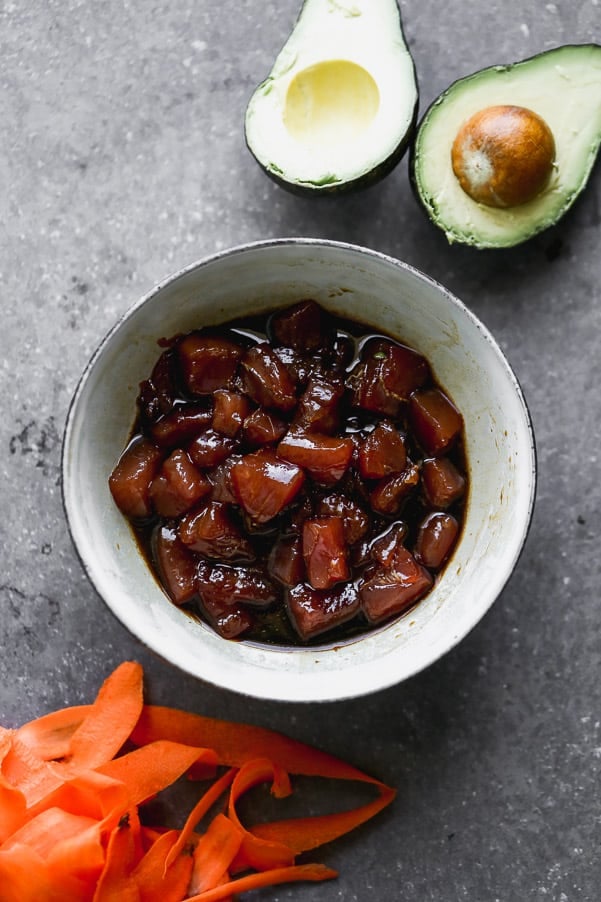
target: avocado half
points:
(563, 86)
(339, 107)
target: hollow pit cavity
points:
(330, 104)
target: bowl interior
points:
(355, 283)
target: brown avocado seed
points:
(503, 156)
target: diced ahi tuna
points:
(227, 586)
(354, 518)
(326, 458)
(305, 326)
(221, 480)
(325, 552)
(390, 493)
(263, 428)
(436, 538)
(158, 393)
(390, 591)
(285, 562)
(382, 452)
(264, 484)
(293, 471)
(176, 565)
(442, 482)
(210, 448)
(132, 477)
(207, 362)
(230, 409)
(435, 420)
(230, 621)
(318, 408)
(178, 486)
(386, 376)
(181, 425)
(266, 379)
(212, 532)
(313, 612)
(385, 546)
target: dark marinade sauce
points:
(293, 478)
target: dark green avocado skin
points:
(412, 167)
(366, 180)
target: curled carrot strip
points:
(314, 872)
(257, 853)
(235, 743)
(50, 735)
(214, 854)
(25, 877)
(12, 809)
(116, 882)
(158, 881)
(149, 769)
(90, 793)
(303, 834)
(72, 783)
(101, 735)
(198, 812)
(22, 769)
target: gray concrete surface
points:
(122, 159)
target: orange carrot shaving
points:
(116, 883)
(40, 833)
(89, 793)
(260, 854)
(12, 809)
(80, 855)
(5, 742)
(150, 769)
(110, 720)
(303, 834)
(158, 881)
(50, 735)
(71, 786)
(292, 874)
(25, 877)
(22, 769)
(214, 854)
(236, 743)
(198, 812)
(12, 800)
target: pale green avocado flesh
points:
(564, 87)
(339, 105)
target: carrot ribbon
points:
(73, 784)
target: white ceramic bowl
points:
(364, 285)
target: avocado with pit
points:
(503, 154)
(339, 107)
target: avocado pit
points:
(503, 156)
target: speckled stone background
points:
(122, 159)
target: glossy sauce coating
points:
(293, 478)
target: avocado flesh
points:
(340, 103)
(561, 85)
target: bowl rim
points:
(435, 652)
